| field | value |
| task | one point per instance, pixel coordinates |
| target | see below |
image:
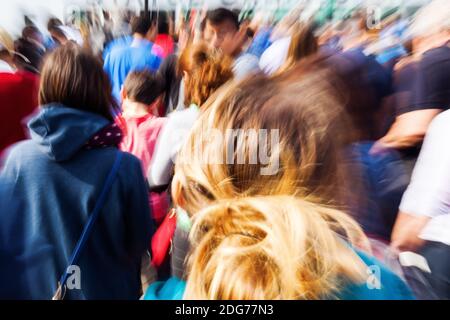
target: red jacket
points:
(18, 99)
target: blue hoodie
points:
(56, 183)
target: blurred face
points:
(214, 34)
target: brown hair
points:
(141, 24)
(143, 87)
(221, 15)
(207, 70)
(304, 43)
(74, 77)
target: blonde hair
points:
(303, 107)
(6, 41)
(273, 247)
(277, 236)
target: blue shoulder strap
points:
(92, 218)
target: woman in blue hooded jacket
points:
(56, 179)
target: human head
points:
(163, 23)
(74, 77)
(271, 248)
(54, 28)
(218, 25)
(28, 55)
(58, 36)
(30, 49)
(204, 71)
(142, 87)
(32, 33)
(303, 108)
(53, 23)
(143, 26)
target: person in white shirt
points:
(423, 223)
(275, 56)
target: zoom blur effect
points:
(158, 149)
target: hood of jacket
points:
(61, 132)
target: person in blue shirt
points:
(117, 43)
(132, 54)
(260, 42)
(53, 182)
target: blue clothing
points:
(117, 43)
(260, 42)
(398, 29)
(392, 287)
(391, 54)
(56, 181)
(172, 289)
(376, 76)
(395, 33)
(368, 83)
(127, 56)
(384, 179)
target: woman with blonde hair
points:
(214, 180)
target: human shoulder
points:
(183, 118)
(437, 55)
(20, 154)
(129, 160)
(23, 148)
(118, 53)
(153, 123)
(246, 65)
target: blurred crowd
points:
(117, 157)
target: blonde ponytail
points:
(272, 247)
